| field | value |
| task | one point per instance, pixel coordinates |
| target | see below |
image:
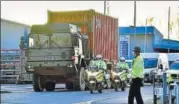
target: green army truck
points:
(57, 53)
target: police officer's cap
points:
(137, 49)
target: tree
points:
(171, 26)
(150, 20)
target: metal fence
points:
(13, 67)
(10, 65)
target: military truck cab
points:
(57, 53)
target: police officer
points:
(137, 76)
(122, 64)
(100, 62)
(92, 62)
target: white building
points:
(11, 33)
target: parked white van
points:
(150, 65)
(173, 57)
(154, 62)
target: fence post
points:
(154, 96)
(164, 80)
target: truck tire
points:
(69, 86)
(100, 91)
(80, 83)
(50, 86)
(38, 85)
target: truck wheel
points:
(38, 85)
(91, 91)
(100, 91)
(50, 86)
(80, 83)
(69, 86)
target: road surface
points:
(24, 94)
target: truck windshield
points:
(57, 40)
(150, 62)
(38, 40)
(61, 40)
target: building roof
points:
(140, 30)
(2, 19)
(168, 44)
(160, 43)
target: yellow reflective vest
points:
(101, 64)
(122, 65)
(169, 79)
(137, 67)
(92, 63)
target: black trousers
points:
(134, 91)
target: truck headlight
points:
(70, 65)
(30, 67)
(45, 58)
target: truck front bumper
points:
(59, 71)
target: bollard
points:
(164, 78)
(154, 96)
(177, 94)
(175, 87)
(171, 87)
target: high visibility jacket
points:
(169, 79)
(122, 65)
(92, 63)
(101, 64)
(138, 67)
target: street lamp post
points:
(145, 35)
(135, 21)
(104, 7)
(178, 22)
(168, 26)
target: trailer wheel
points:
(100, 91)
(80, 83)
(38, 85)
(50, 86)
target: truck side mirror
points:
(26, 38)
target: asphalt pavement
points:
(24, 94)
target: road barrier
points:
(162, 92)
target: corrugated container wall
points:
(102, 30)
